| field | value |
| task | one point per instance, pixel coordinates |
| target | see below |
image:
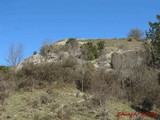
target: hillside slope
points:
(83, 80)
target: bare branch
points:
(15, 54)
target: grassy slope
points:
(43, 104)
(109, 42)
(58, 104)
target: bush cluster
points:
(7, 85)
(101, 45)
(89, 51)
(49, 72)
(72, 46)
(45, 49)
(35, 52)
(5, 69)
(142, 88)
(72, 42)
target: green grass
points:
(116, 42)
(29, 106)
(64, 105)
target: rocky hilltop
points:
(116, 54)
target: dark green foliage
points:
(154, 35)
(89, 51)
(147, 104)
(83, 81)
(72, 41)
(35, 52)
(129, 39)
(101, 45)
(4, 69)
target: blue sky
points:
(32, 21)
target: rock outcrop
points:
(112, 58)
(130, 59)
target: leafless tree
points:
(15, 54)
(135, 33)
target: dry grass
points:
(64, 105)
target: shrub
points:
(69, 63)
(38, 76)
(143, 90)
(5, 69)
(129, 39)
(41, 72)
(3, 96)
(83, 82)
(7, 85)
(135, 33)
(89, 65)
(89, 51)
(46, 48)
(101, 45)
(45, 99)
(35, 52)
(154, 35)
(25, 84)
(72, 42)
(72, 46)
(147, 104)
(104, 84)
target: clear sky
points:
(32, 21)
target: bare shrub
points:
(104, 86)
(135, 33)
(72, 46)
(39, 75)
(15, 54)
(83, 81)
(46, 48)
(7, 85)
(43, 72)
(45, 99)
(69, 63)
(144, 89)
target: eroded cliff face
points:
(130, 59)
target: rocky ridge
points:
(114, 57)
